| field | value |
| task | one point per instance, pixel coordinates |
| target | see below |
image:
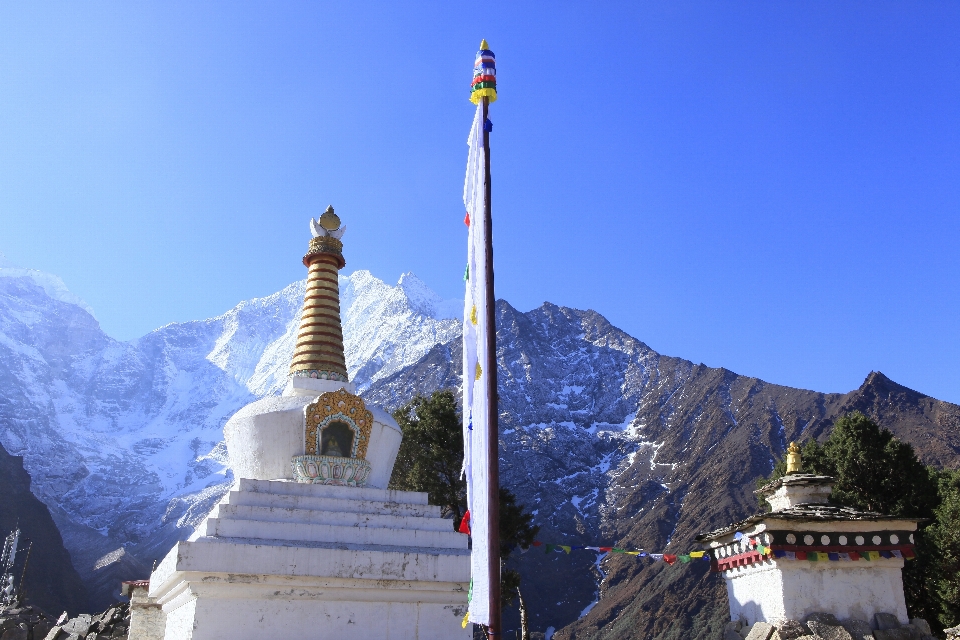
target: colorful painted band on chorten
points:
(814, 546)
(484, 83)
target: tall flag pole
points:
(480, 428)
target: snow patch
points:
(603, 575)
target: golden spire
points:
(484, 45)
(793, 459)
(319, 351)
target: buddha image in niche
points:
(336, 439)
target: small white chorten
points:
(309, 543)
(807, 556)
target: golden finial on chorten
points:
(793, 459)
(319, 350)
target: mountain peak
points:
(877, 380)
(425, 300)
(878, 386)
(52, 285)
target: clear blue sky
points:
(769, 187)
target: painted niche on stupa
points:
(336, 434)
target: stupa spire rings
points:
(319, 351)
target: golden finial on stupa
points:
(484, 45)
(793, 459)
(329, 220)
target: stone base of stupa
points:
(278, 559)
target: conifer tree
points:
(944, 538)
(430, 460)
(431, 452)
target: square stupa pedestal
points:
(278, 559)
(766, 588)
(808, 556)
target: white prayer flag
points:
(475, 438)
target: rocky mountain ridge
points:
(605, 439)
(613, 444)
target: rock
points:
(808, 637)
(900, 633)
(54, 632)
(19, 632)
(825, 618)
(733, 625)
(760, 631)
(731, 635)
(858, 629)
(790, 629)
(886, 621)
(62, 620)
(953, 633)
(922, 625)
(41, 629)
(829, 631)
(79, 625)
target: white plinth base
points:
(793, 589)
(280, 559)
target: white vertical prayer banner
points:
(475, 437)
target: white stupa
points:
(309, 542)
(807, 557)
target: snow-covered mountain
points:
(123, 440)
(604, 439)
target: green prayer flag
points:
(549, 548)
(466, 273)
(683, 559)
(615, 550)
(813, 556)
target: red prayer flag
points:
(605, 549)
(466, 219)
(465, 523)
(669, 559)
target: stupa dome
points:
(319, 431)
